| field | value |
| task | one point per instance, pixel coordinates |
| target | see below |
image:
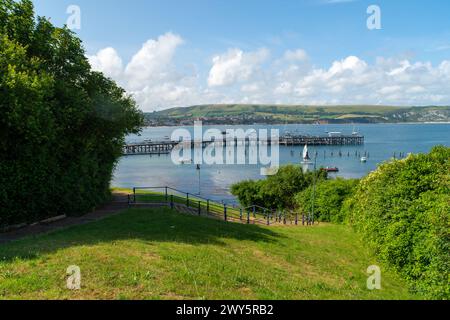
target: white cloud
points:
(235, 66)
(238, 76)
(295, 55)
(153, 63)
(107, 61)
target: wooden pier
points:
(165, 147)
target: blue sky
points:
(249, 41)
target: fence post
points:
(171, 202)
(167, 195)
(240, 214)
(199, 208)
(254, 212)
(268, 219)
(207, 207)
(284, 217)
(225, 212)
(303, 219)
(187, 200)
(248, 216)
(134, 195)
(296, 218)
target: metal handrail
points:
(280, 216)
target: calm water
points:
(382, 141)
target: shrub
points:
(277, 191)
(402, 210)
(329, 197)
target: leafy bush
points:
(329, 197)
(277, 191)
(402, 210)
(62, 126)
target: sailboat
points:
(306, 157)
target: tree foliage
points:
(328, 199)
(402, 210)
(277, 191)
(62, 126)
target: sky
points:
(177, 53)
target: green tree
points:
(277, 191)
(62, 127)
(329, 197)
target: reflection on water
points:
(382, 142)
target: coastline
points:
(295, 123)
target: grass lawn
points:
(160, 254)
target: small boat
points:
(184, 161)
(363, 159)
(328, 169)
(306, 157)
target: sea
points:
(382, 143)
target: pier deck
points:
(165, 147)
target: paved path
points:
(119, 203)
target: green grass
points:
(160, 254)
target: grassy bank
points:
(160, 254)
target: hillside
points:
(281, 114)
(161, 254)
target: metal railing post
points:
(225, 212)
(187, 200)
(167, 195)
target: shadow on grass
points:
(149, 225)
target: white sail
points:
(306, 154)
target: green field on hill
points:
(278, 114)
(161, 254)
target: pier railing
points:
(196, 204)
(165, 147)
